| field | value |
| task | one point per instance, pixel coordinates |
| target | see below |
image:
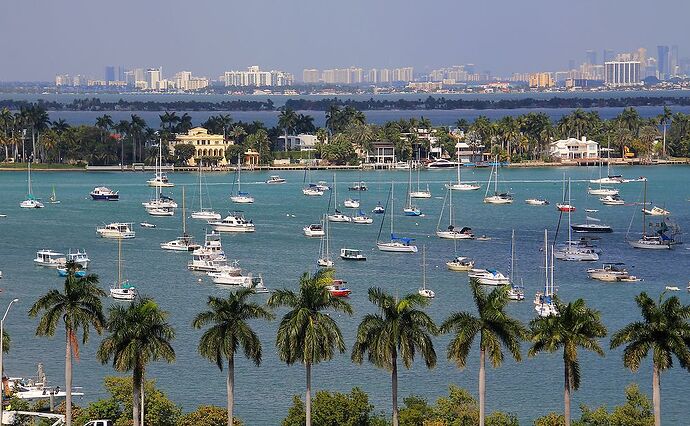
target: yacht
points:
(489, 277)
(79, 257)
(234, 222)
(49, 258)
(337, 215)
(312, 191)
(571, 251)
(661, 235)
(161, 211)
(314, 230)
(537, 202)
(656, 211)
(602, 191)
(240, 197)
(460, 264)
(544, 301)
(324, 259)
(358, 186)
(186, 241)
(160, 202)
(275, 180)
(351, 203)
(322, 186)
(410, 209)
(31, 202)
(206, 215)
(352, 254)
(442, 163)
(204, 261)
(420, 193)
(116, 230)
(102, 193)
(379, 209)
(423, 290)
(612, 200)
(565, 207)
(610, 272)
(460, 185)
(338, 289)
(591, 225)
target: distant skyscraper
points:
(608, 55)
(591, 57)
(109, 73)
(663, 61)
(673, 61)
(311, 76)
(121, 73)
(622, 73)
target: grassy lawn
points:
(40, 166)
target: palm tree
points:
(575, 326)
(399, 330)
(229, 330)
(495, 329)
(104, 123)
(664, 118)
(238, 133)
(79, 307)
(139, 334)
(306, 334)
(137, 127)
(286, 121)
(665, 331)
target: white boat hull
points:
(241, 199)
(497, 200)
(204, 215)
(313, 233)
(454, 235)
(396, 247)
(116, 235)
(420, 194)
(650, 245)
(231, 228)
(339, 218)
(602, 191)
(463, 187)
(362, 220)
(123, 293)
(351, 204)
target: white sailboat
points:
(515, 292)
(420, 193)
(410, 209)
(240, 197)
(204, 213)
(337, 215)
(423, 291)
(601, 190)
(31, 202)
(325, 259)
(460, 186)
(184, 242)
(544, 303)
(571, 251)
(396, 244)
(658, 235)
(160, 179)
(452, 233)
(310, 189)
(497, 198)
(122, 289)
(158, 206)
(53, 197)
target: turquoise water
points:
(280, 252)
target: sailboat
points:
(53, 198)
(592, 224)
(310, 189)
(658, 235)
(31, 202)
(122, 289)
(185, 242)
(563, 206)
(325, 260)
(423, 291)
(460, 186)
(410, 209)
(336, 216)
(602, 190)
(396, 244)
(160, 179)
(572, 251)
(204, 213)
(497, 198)
(515, 292)
(544, 302)
(452, 233)
(240, 197)
(419, 193)
(160, 205)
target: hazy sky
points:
(40, 38)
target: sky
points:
(41, 38)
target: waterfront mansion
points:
(206, 144)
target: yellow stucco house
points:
(206, 144)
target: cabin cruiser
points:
(537, 202)
(160, 181)
(206, 261)
(36, 388)
(102, 193)
(489, 277)
(338, 289)
(275, 179)
(116, 230)
(612, 200)
(322, 186)
(358, 186)
(49, 258)
(362, 219)
(610, 272)
(351, 203)
(352, 254)
(31, 203)
(234, 222)
(656, 211)
(442, 163)
(451, 233)
(460, 264)
(314, 230)
(312, 191)
(379, 209)
(79, 257)
(337, 216)
(183, 243)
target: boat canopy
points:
(404, 240)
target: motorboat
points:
(672, 288)
(451, 232)
(612, 200)
(147, 225)
(204, 213)
(247, 281)
(423, 290)
(234, 222)
(31, 202)
(338, 289)
(36, 388)
(460, 264)
(212, 245)
(351, 203)
(122, 289)
(412, 211)
(570, 252)
(322, 186)
(352, 254)
(537, 202)
(49, 258)
(275, 180)
(402, 165)
(116, 230)
(312, 191)
(396, 244)
(206, 261)
(565, 207)
(497, 197)
(609, 272)
(161, 211)
(183, 243)
(602, 191)
(491, 277)
(442, 163)
(656, 211)
(379, 209)
(362, 219)
(337, 216)
(102, 193)
(80, 257)
(314, 230)
(358, 186)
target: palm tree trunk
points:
(656, 394)
(68, 380)
(308, 396)
(482, 386)
(394, 390)
(231, 388)
(566, 393)
(136, 395)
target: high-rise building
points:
(121, 73)
(591, 57)
(673, 63)
(608, 55)
(403, 74)
(255, 77)
(311, 76)
(385, 75)
(622, 73)
(153, 78)
(541, 80)
(109, 73)
(662, 62)
(373, 76)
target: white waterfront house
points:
(572, 148)
(301, 142)
(382, 152)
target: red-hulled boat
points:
(338, 289)
(562, 207)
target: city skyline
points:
(70, 36)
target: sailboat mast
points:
(450, 207)
(239, 176)
(458, 160)
(328, 234)
(184, 218)
(512, 256)
(119, 261)
(201, 196)
(552, 284)
(570, 229)
(29, 166)
(424, 266)
(644, 213)
(391, 210)
(546, 261)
